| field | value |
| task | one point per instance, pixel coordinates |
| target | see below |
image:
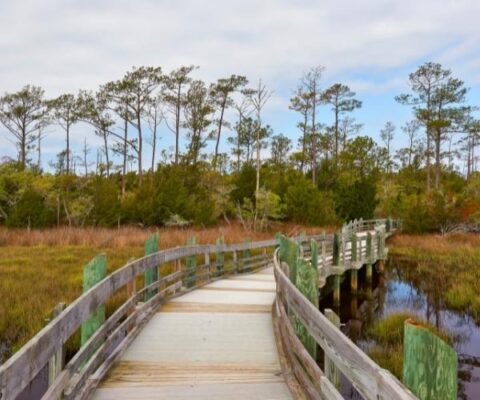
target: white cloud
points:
(64, 45)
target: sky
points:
(369, 45)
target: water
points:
(402, 289)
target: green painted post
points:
(429, 364)
(93, 273)
(353, 247)
(246, 256)
(289, 253)
(151, 274)
(331, 371)
(369, 248)
(191, 265)
(336, 249)
(388, 225)
(220, 255)
(314, 253)
(307, 283)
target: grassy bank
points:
(448, 267)
(40, 268)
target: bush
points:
(306, 204)
(31, 211)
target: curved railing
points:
(370, 380)
(79, 377)
(82, 373)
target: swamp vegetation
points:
(432, 279)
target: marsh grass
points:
(448, 267)
(41, 268)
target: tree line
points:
(332, 173)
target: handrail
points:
(370, 380)
(21, 369)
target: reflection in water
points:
(411, 289)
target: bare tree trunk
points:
(428, 160)
(107, 158)
(140, 148)
(67, 150)
(125, 154)
(177, 124)
(85, 156)
(154, 146)
(219, 132)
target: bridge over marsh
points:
(220, 321)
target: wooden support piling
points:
(353, 281)
(336, 291)
(369, 272)
(331, 371)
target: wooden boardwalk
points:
(216, 342)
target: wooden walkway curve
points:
(205, 331)
(216, 342)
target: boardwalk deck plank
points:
(213, 343)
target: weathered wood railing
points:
(291, 306)
(81, 374)
(85, 369)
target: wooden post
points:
(369, 272)
(151, 274)
(353, 248)
(336, 250)
(314, 253)
(246, 256)
(220, 255)
(369, 248)
(289, 253)
(336, 290)
(331, 371)
(208, 265)
(307, 283)
(56, 363)
(191, 265)
(93, 273)
(353, 280)
(360, 251)
(236, 265)
(429, 364)
(324, 251)
(131, 292)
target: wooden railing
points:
(79, 377)
(82, 373)
(370, 380)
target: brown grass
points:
(126, 236)
(40, 268)
(439, 244)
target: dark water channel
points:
(397, 289)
